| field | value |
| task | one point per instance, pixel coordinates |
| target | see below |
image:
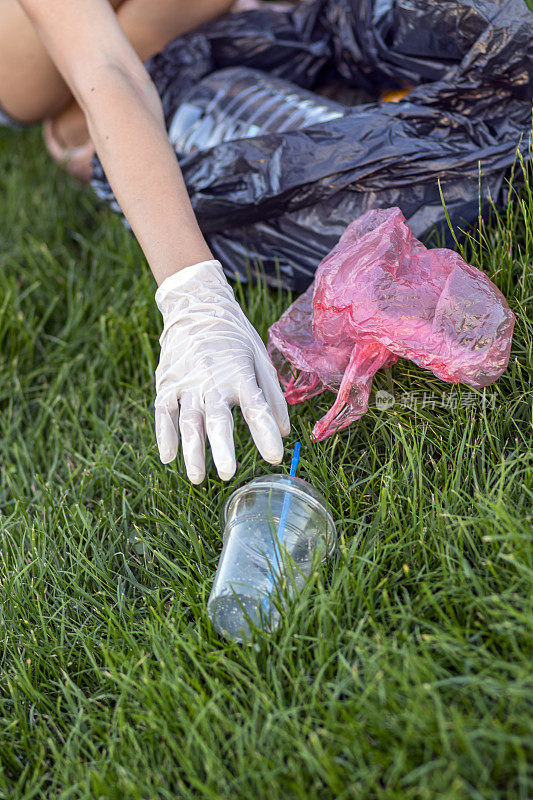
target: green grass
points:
(403, 671)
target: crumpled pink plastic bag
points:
(380, 295)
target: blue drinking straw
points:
(283, 521)
(287, 499)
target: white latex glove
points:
(211, 360)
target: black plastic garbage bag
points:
(276, 175)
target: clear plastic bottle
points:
(239, 103)
(275, 528)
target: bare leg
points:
(31, 88)
(149, 25)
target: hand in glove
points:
(211, 360)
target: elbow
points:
(111, 82)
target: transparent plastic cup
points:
(275, 529)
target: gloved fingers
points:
(166, 428)
(192, 429)
(219, 427)
(267, 379)
(263, 427)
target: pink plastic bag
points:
(380, 295)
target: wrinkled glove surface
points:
(379, 295)
(212, 359)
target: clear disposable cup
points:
(275, 528)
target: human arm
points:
(203, 324)
(125, 120)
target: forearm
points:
(126, 125)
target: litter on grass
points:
(381, 295)
(277, 529)
(276, 120)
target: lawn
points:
(404, 669)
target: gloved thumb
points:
(267, 380)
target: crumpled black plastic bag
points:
(280, 201)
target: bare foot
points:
(71, 126)
(68, 142)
